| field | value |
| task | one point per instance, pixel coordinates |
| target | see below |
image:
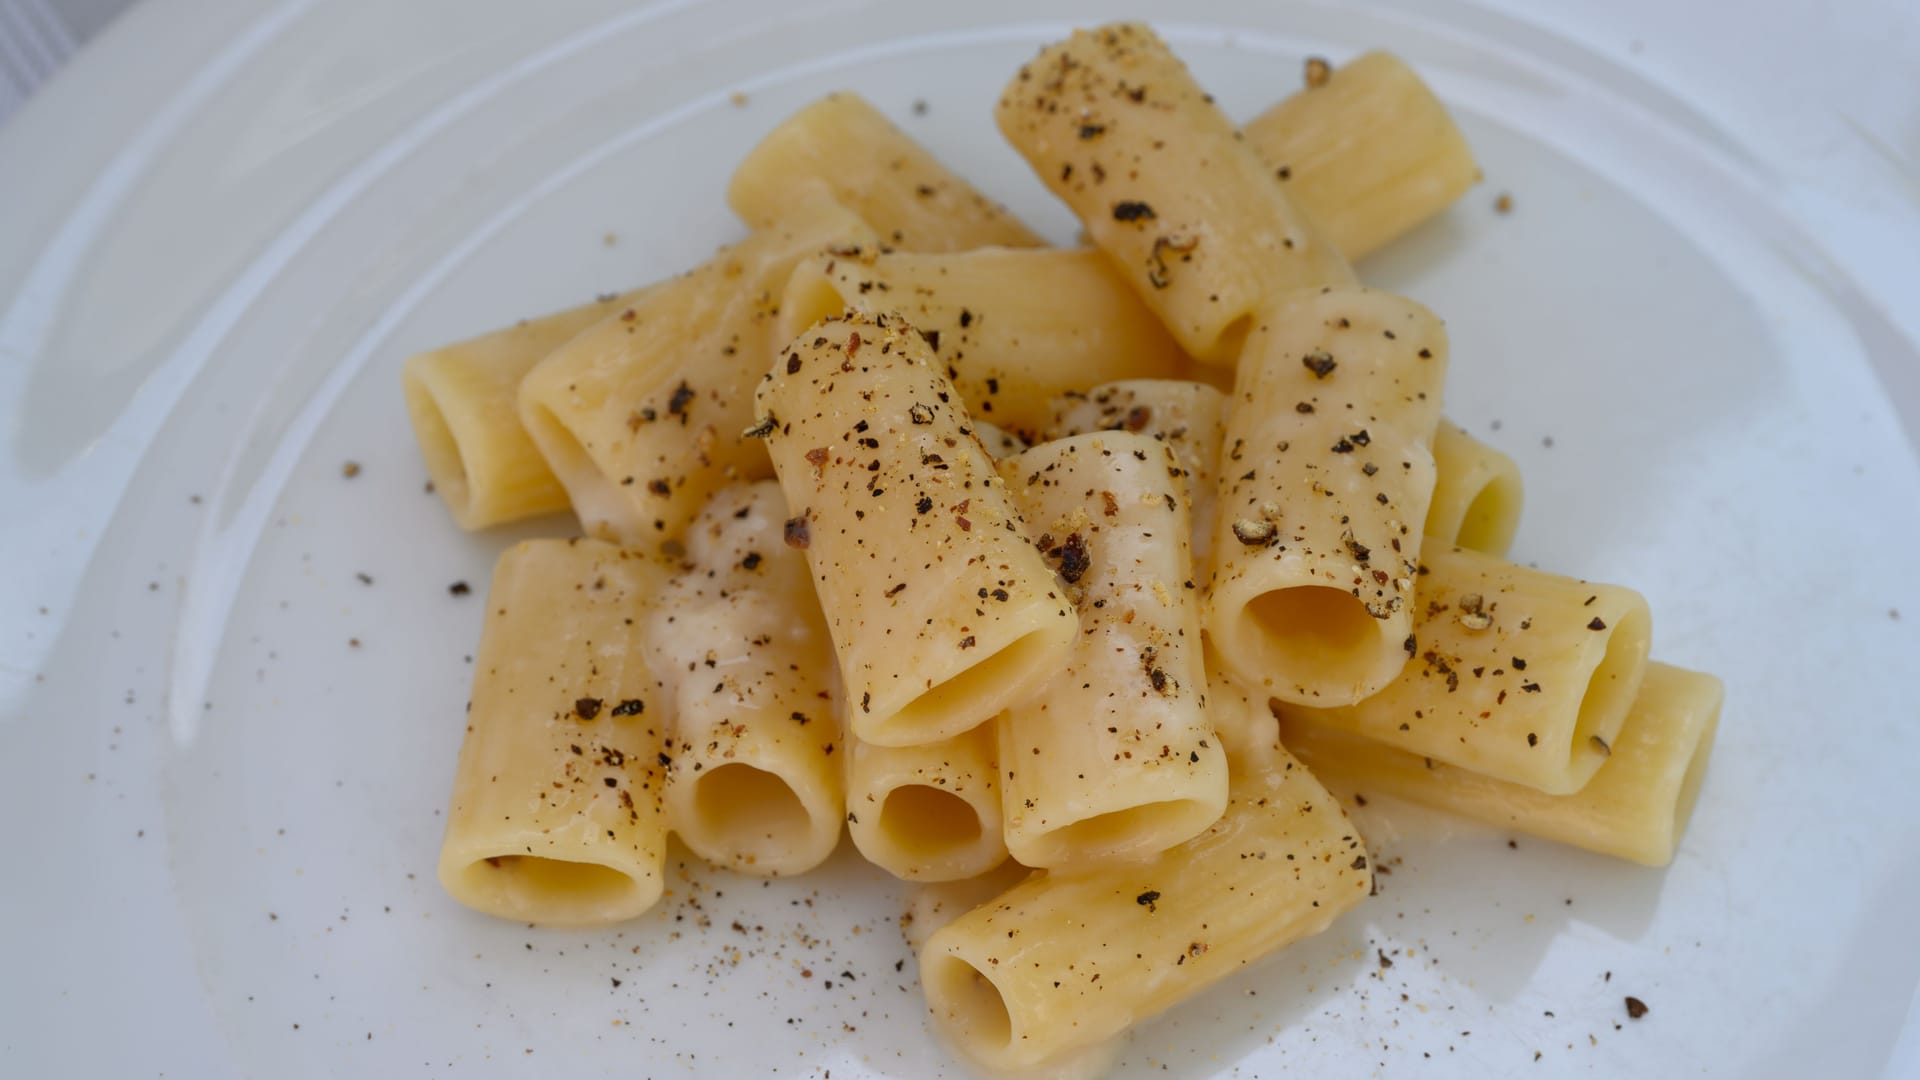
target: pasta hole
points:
(1148, 827)
(446, 464)
(927, 822)
(565, 890)
(967, 1001)
(1615, 681)
(747, 811)
(1493, 516)
(596, 499)
(1314, 635)
(981, 691)
(810, 296)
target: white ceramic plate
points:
(223, 230)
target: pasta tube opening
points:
(1138, 830)
(556, 892)
(439, 444)
(1312, 633)
(1611, 688)
(1494, 514)
(929, 824)
(596, 501)
(968, 1003)
(953, 707)
(744, 813)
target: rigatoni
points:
(1116, 757)
(1477, 493)
(460, 398)
(556, 815)
(1195, 222)
(842, 147)
(1326, 473)
(1012, 328)
(941, 612)
(1636, 806)
(1368, 154)
(640, 415)
(1189, 417)
(738, 637)
(1068, 960)
(929, 812)
(1520, 675)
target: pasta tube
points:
(929, 812)
(1195, 222)
(1476, 493)
(556, 816)
(941, 612)
(1636, 807)
(460, 398)
(1327, 460)
(640, 415)
(1189, 417)
(1012, 328)
(1068, 960)
(1115, 758)
(842, 147)
(739, 639)
(1521, 675)
(1368, 155)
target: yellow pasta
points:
(460, 398)
(640, 415)
(1116, 758)
(739, 639)
(556, 815)
(1476, 493)
(1012, 328)
(929, 812)
(1636, 806)
(1062, 961)
(1195, 222)
(1519, 675)
(1325, 476)
(842, 147)
(1189, 417)
(941, 612)
(1368, 155)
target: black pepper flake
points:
(682, 397)
(897, 589)
(1635, 1008)
(587, 708)
(797, 534)
(611, 781)
(1597, 624)
(1137, 419)
(762, 429)
(1074, 559)
(1519, 664)
(630, 707)
(1303, 408)
(967, 642)
(665, 761)
(866, 700)
(1159, 680)
(459, 588)
(920, 414)
(1533, 739)
(925, 505)
(1146, 899)
(752, 561)
(793, 363)
(1130, 211)
(1320, 362)
(966, 318)
(1359, 862)
(1092, 131)
(1369, 468)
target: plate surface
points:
(226, 755)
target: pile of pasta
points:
(1072, 578)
